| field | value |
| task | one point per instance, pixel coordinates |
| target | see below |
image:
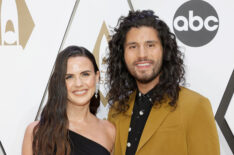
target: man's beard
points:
(144, 79)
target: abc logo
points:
(195, 23)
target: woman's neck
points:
(78, 113)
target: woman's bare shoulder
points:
(109, 127)
(31, 126)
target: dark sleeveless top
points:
(81, 145)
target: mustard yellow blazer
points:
(188, 130)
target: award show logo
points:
(16, 23)
(221, 112)
(100, 57)
(195, 23)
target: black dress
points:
(81, 145)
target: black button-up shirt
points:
(142, 107)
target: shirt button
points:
(128, 144)
(141, 112)
(129, 129)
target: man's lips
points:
(143, 64)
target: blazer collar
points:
(125, 122)
(155, 119)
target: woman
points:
(68, 125)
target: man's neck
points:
(146, 87)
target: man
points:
(152, 113)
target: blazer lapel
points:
(154, 121)
(125, 122)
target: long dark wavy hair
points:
(50, 136)
(122, 83)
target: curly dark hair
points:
(122, 83)
(50, 136)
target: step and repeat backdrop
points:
(33, 32)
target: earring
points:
(96, 91)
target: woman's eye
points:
(68, 77)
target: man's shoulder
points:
(113, 113)
(193, 105)
(191, 99)
(188, 93)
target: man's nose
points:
(142, 52)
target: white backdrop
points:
(25, 70)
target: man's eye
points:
(132, 47)
(85, 74)
(151, 45)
